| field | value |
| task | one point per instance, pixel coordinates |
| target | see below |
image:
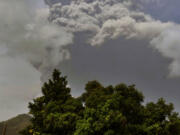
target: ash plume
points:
(27, 34)
(103, 20)
(34, 41)
(41, 36)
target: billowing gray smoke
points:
(40, 38)
(27, 34)
(104, 20)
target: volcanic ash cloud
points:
(27, 34)
(103, 20)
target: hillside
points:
(15, 124)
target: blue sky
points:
(165, 10)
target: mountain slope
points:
(15, 124)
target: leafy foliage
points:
(100, 110)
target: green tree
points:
(111, 110)
(56, 111)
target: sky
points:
(113, 41)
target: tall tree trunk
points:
(4, 129)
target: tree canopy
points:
(111, 110)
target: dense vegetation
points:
(112, 110)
